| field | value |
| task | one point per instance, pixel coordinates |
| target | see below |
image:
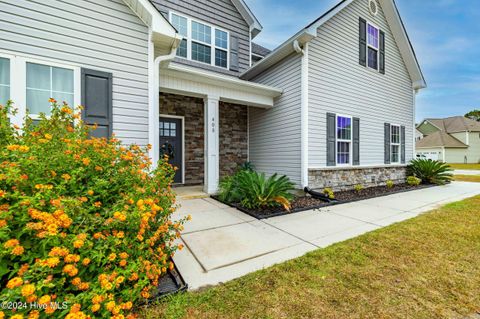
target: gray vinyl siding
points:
(275, 134)
(103, 35)
(220, 13)
(339, 84)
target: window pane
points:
(220, 58)
(62, 80)
(373, 58)
(343, 153)
(201, 53)
(344, 128)
(4, 81)
(63, 97)
(4, 94)
(373, 36)
(201, 32)
(395, 153)
(182, 49)
(38, 76)
(180, 23)
(221, 39)
(4, 71)
(37, 101)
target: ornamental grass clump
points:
(85, 227)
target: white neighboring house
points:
(451, 140)
(334, 105)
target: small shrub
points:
(430, 171)
(413, 181)
(390, 184)
(246, 166)
(358, 188)
(329, 193)
(82, 220)
(228, 190)
(257, 191)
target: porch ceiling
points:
(180, 79)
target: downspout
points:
(303, 112)
(154, 110)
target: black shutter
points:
(97, 101)
(234, 53)
(402, 136)
(356, 141)
(331, 139)
(363, 42)
(387, 143)
(382, 52)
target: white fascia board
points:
(163, 34)
(249, 17)
(225, 81)
(278, 54)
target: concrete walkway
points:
(466, 172)
(222, 243)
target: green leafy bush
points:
(358, 188)
(430, 171)
(329, 193)
(258, 191)
(82, 220)
(413, 181)
(390, 184)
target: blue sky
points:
(444, 33)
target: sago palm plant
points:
(258, 191)
(430, 171)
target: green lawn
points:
(427, 267)
(465, 166)
(467, 178)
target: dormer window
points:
(202, 42)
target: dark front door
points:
(171, 144)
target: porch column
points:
(212, 162)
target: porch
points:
(203, 123)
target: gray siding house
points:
(332, 106)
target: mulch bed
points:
(303, 203)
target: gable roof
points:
(310, 31)
(163, 33)
(455, 124)
(247, 14)
(439, 139)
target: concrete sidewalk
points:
(222, 243)
(466, 172)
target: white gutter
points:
(304, 112)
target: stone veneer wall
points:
(344, 179)
(193, 110)
(233, 137)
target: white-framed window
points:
(5, 79)
(202, 42)
(373, 45)
(44, 81)
(344, 140)
(30, 82)
(395, 141)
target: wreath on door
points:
(168, 150)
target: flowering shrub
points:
(85, 226)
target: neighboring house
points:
(332, 106)
(451, 140)
(418, 135)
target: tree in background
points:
(474, 115)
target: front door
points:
(171, 144)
